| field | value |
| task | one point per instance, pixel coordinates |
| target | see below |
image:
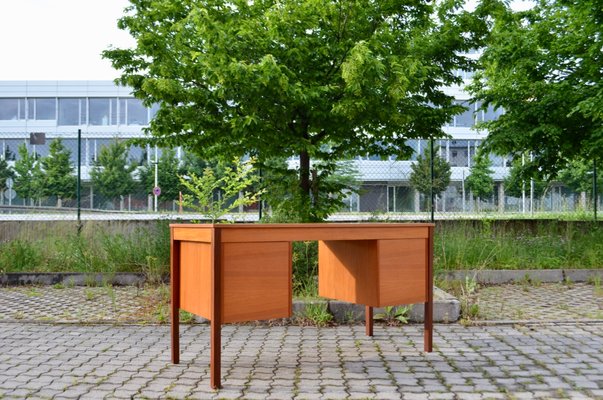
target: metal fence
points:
(384, 187)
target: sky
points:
(59, 39)
(63, 39)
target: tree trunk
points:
(304, 173)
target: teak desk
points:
(242, 272)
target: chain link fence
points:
(386, 189)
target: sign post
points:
(156, 193)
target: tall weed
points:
(90, 252)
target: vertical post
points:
(175, 296)
(368, 320)
(523, 187)
(260, 199)
(531, 189)
(156, 182)
(463, 190)
(428, 319)
(431, 192)
(595, 188)
(79, 181)
(216, 310)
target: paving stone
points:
(128, 361)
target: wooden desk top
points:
(299, 232)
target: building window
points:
(100, 111)
(12, 109)
(121, 112)
(400, 199)
(72, 111)
(42, 109)
(154, 109)
(351, 202)
(137, 114)
(114, 111)
(466, 119)
(491, 114)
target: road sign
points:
(156, 190)
(10, 194)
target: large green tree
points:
(28, 175)
(59, 179)
(112, 173)
(317, 79)
(544, 67)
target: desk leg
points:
(175, 299)
(216, 350)
(428, 334)
(368, 316)
(216, 312)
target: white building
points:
(104, 111)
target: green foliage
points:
(519, 180)
(305, 269)
(578, 176)
(319, 79)
(91, 252)
(466, 246)
(112, 174)
(19, 255)
(317, 313)
(215, 196)
(392, 315)
(480, 180)
(543, 67)
(5, 172)
(330, 183)
(28, 175)
(420, 177)
(168, 176)
(59, 179)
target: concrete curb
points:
(446, 309)
(493, 277)
(72, 279)
(498, 277)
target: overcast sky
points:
(59, 39)
(62, 39)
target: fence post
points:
(595, 189)
(432, 194)
(79, 180)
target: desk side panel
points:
(402, 271)
(348, 271)
(256, 281)
(195, 278)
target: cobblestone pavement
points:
(541, 302)
(84, 304)
(528, 301)
(42, 359)
(284, 362)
